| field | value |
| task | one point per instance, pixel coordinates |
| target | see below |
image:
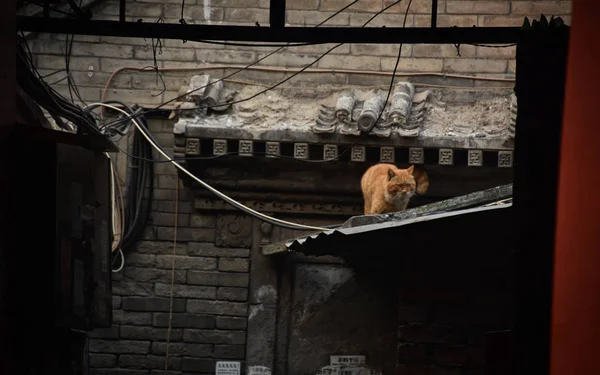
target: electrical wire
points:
(172, 292)
(259, 45)
(251, 64)
(387, 98)
(315, 71)
(268, 55)
(150, 138)
(29, 79)
(135, 214)
(117, 210)
(494, 46)
(365, 134)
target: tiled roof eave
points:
(190, 130)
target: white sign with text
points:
(228, 368)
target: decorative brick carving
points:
(358, 153)
(265, 232)
(192, 146)
(273, 149)
(234, 231)
(387, 155)
(475, 158)
(330, 152)
(446, 156)
(219, 147)
(246, 148)
(349, 209)
(301, 150)
(505, 159)
(416, 155)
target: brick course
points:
(95, 58)
(210, 291)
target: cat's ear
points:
(410, 169)
(391, 174)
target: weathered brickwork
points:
(212, 274)
(210, 292)
(96, 58)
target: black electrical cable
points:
(140, 183)
(264, 45)
(44, 95)
(365, 134)
(270, 54)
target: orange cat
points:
(387, 188)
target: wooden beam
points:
(198, 33)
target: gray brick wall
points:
(96, 58)
(210, 292)
(211, 283)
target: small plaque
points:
(192, 146)
(358, 153)
(446, 156)
(228, 368)
(330, 152)
(219, 147)
(272, 149)
(475, 158)
(387, 155)
(258, 370)
(416, 155)
(355, 360)
(505, 159)
(246, 148)
(301, 150)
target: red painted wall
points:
(576, 310)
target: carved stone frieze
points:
(475, 158)
(505, 159)
(265, 231)
(192, 146)
(234, 231)
(446, 156)
(387, 155)
(349, 209)
(246, 148)
(358, 154)
(219, 147)
(416, 155)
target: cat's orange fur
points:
(387, 188)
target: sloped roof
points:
(363, 232)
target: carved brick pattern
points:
(387, 155)
(192, 146)
(416, 155)
(446, 156)
(206, 204)
(505, 159)
(330, 152)
(301, 150)
(234, 231)
(358, 153)
(475, 158)
(272, 149)
(219, 147)
(246, 148)
(265, 232)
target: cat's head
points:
(401, 183)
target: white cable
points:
(114, 210)
(122, 262)
(207, 186)
(112, 198)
